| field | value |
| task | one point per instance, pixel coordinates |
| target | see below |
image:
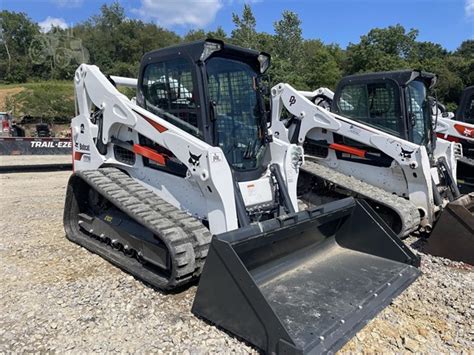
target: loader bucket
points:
(305, 283)
(453, 235)
(465, 175)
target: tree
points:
(287, 51)
(17, 31)
(288, 37)
(381, 49)
(111, 16)
(244, 34)
(194, 35)
(462, 62)
(219, 33)
(425, 51)
(466, 49)
(117, 44)
(320, 67)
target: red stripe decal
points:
(465, 131)
(155, 125)
(448, 138)
(346, 149)
(149, 153)
(78, 155)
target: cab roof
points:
(401, 77)
(194, 50)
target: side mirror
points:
(434, 108)
(432, 101)
(262, 83)
(213, 110)
(268, 118)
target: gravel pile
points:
(56, 296)
(434, 315)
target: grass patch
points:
(35, 84)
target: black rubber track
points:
(404, 209)
(186, 238)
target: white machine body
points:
(207, 190)
(410, 174)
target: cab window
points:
(419, 112)
(238, 115)
(168, 89)
(375, 104)
(469, 110)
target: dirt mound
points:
(7, 91)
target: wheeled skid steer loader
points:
(374, 138)
(185, 179)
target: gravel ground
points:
(56, 296)
(7, 160)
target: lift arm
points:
(206, 164)
(307, 117)
(312, 116)
(452, 130)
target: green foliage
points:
(196, 35)
(288, 37)
(394, 48)
(129, 92)
(466, 49)
(219, 33)
(50, 101)
(287, 52)
(462, 62)
(381, 49)
(245, 34)
(116, 44)
(320, 64)
(17, 31)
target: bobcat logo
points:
(194, 159)
(406, 153)
(468, 132)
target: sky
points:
(448, 22)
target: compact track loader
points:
(378, 142)
(186, 180)
(459, 127)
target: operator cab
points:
(465, 112)
(212, 91)
(396, 102)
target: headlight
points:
(209, 48)
(264, 60)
